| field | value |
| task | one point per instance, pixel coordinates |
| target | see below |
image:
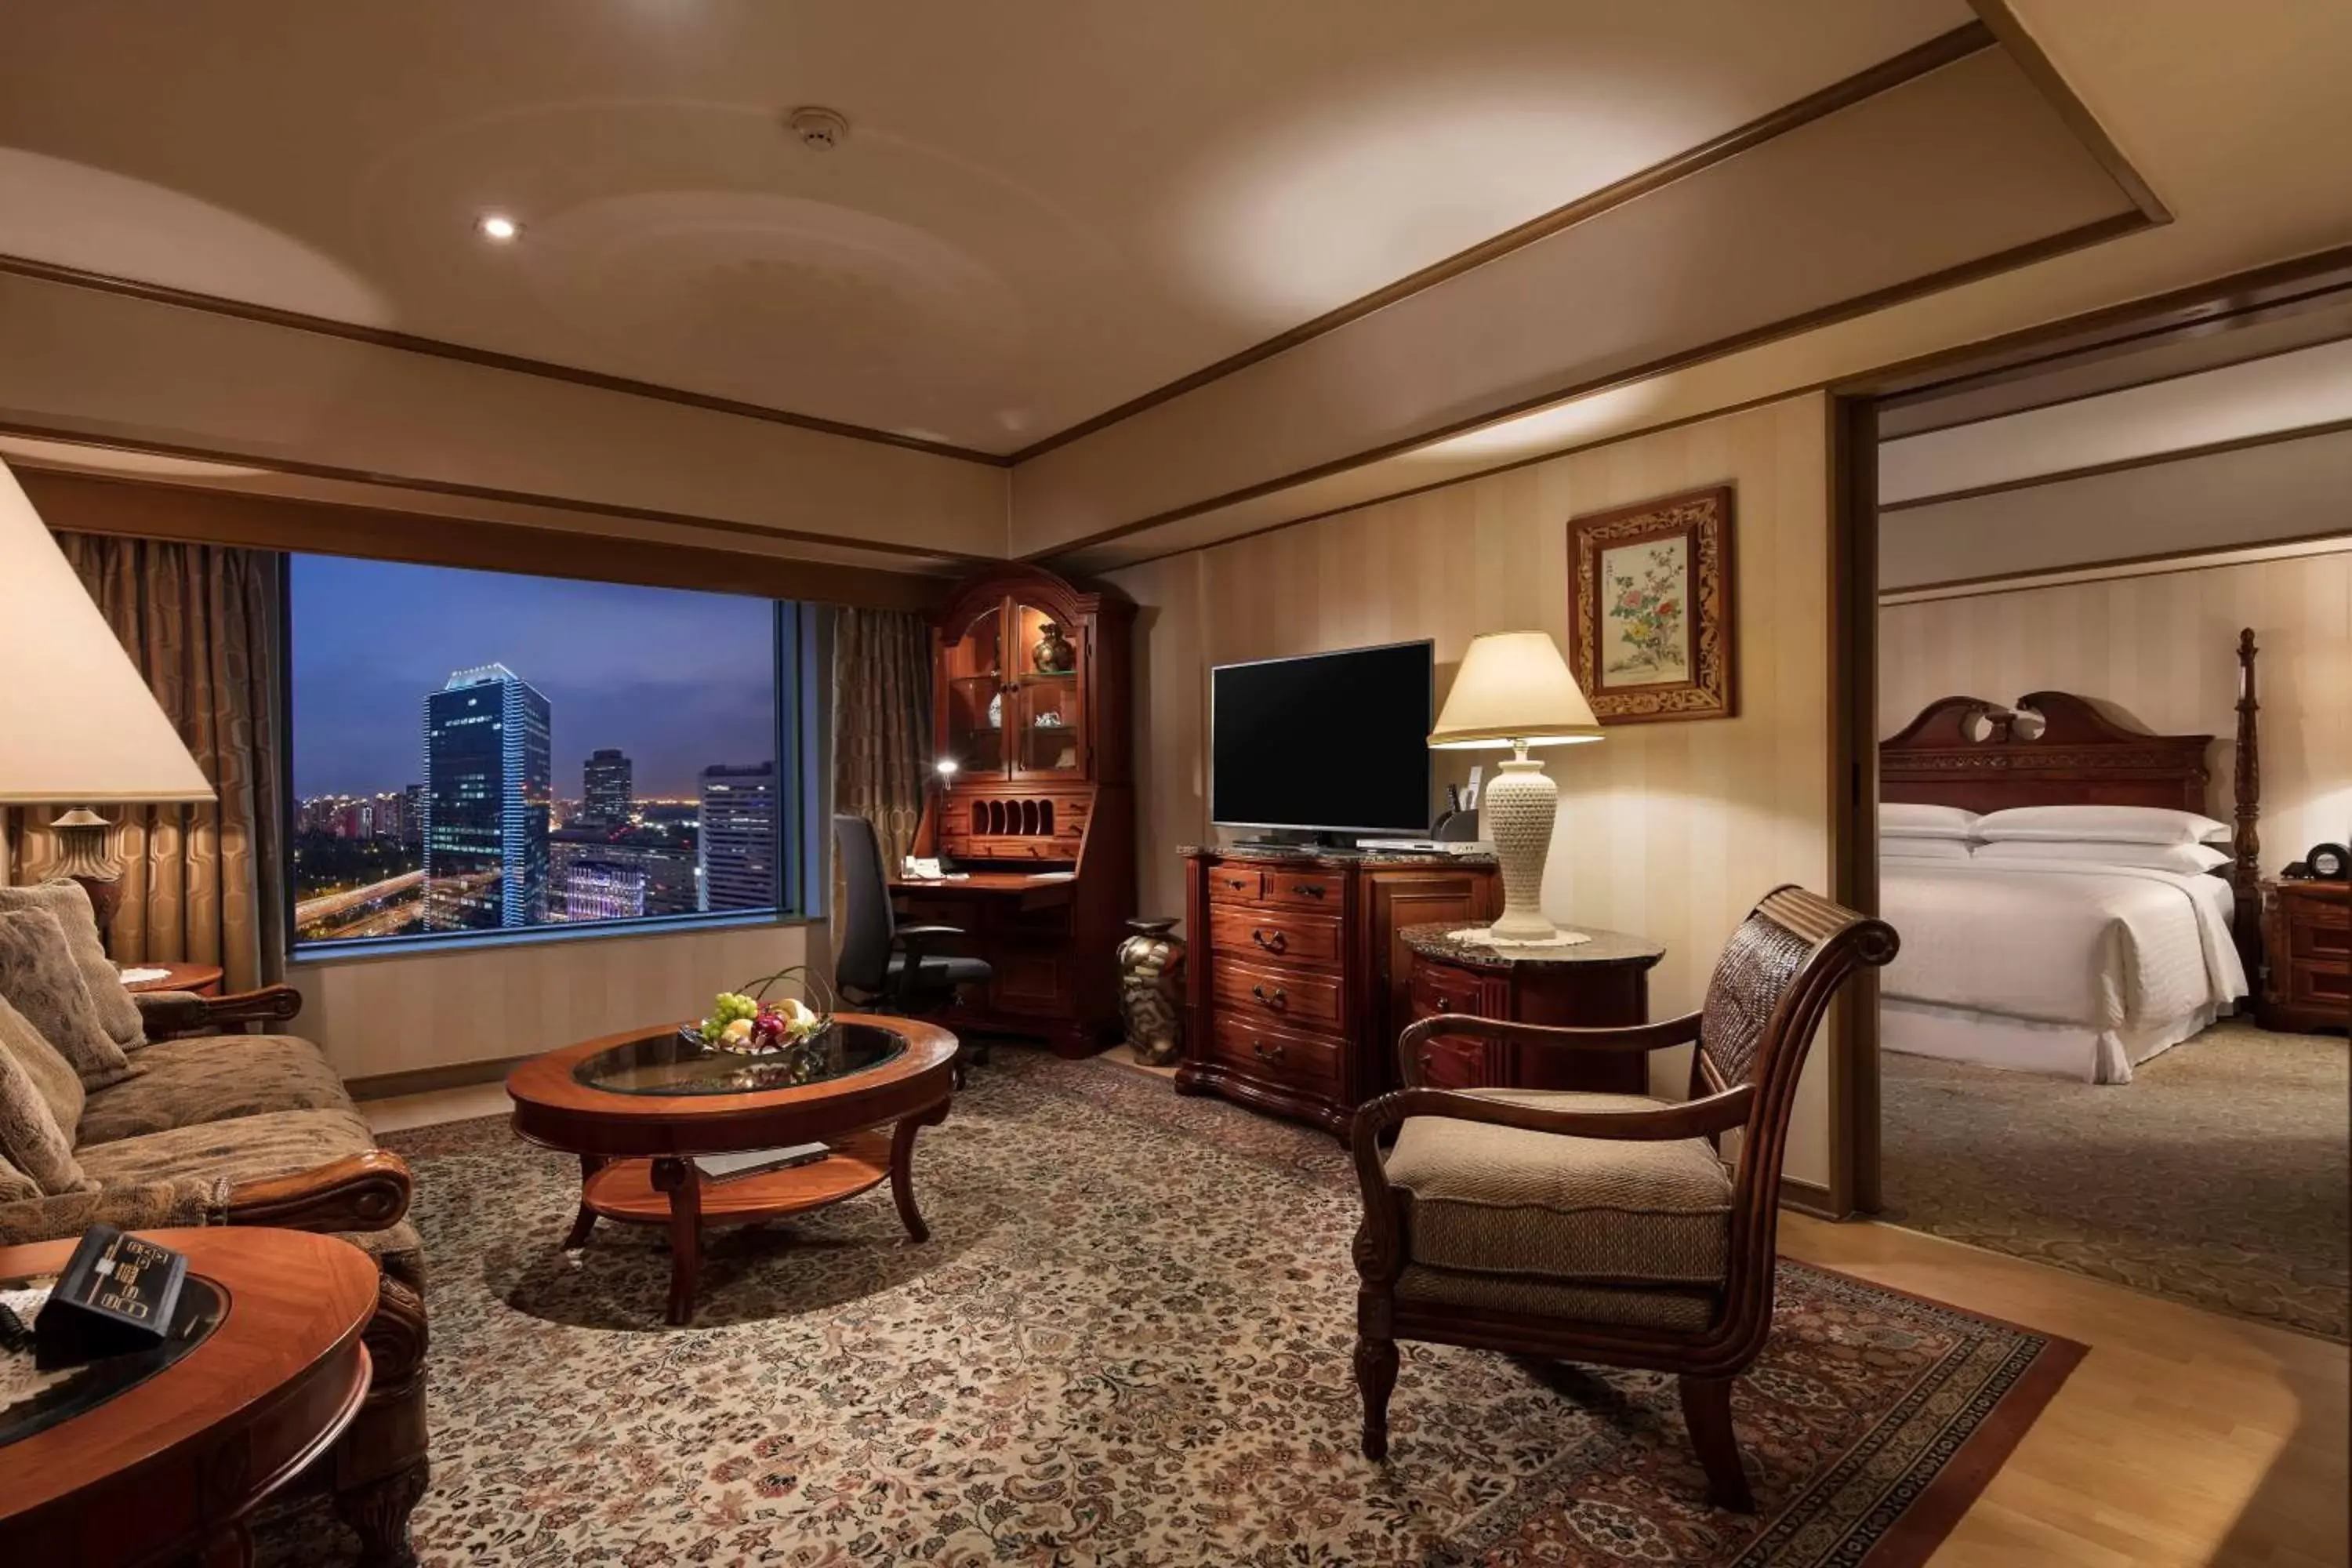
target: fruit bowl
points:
(747, 1022)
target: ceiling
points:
(1042, 211)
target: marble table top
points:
(1436, 940)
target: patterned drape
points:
(200, 883)
(881, 724)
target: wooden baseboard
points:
(431, 1080)
(1808, 1197)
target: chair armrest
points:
(1380, 1255)
(1626, 1037)
(917, 942)
(359, 1192)
(914, 938)
(164, 1014)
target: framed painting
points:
(1650, 609)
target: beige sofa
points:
(257, 1129)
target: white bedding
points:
(2076, 968)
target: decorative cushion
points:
(213, 1077)
(1681, 1309)
(133, 1205)
(15, 1187)
(1503, 1201)
(38, 973)
(30, 1138)
(69, 901)
(54, 1076)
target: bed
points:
(2075, 968)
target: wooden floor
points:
(2183, 1439)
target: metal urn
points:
(1150, 991)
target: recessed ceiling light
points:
(498, 227)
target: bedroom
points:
(2113, 640)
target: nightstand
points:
(2306, 980)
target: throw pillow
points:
(30, 1138)
(69, 901)
(15, 1187)
(37, 973)
(54, 1076)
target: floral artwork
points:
(1649, 609)
(1646, 638)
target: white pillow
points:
(2188, 859)
(1917, 848)
(1910, 819)
(2101, 823)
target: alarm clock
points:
(2323, 863)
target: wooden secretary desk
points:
(1031, 696)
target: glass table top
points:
(669, 1064)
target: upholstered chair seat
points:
(189, 1083)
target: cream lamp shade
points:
(76, 722)
(1514, 688)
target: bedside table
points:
(2306, 980)
(204, 979)
(1603, 984)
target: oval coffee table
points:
(638, 1107)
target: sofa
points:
(211, 1123)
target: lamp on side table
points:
(76, 722)
(1514, 691)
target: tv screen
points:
(1338, 743)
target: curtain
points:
(881, 725)
(203, 883)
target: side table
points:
(169, 1468)
(1603, 984)
(204, 979)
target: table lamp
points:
(78, 725)
(1512, 692)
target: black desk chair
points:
(886, 968)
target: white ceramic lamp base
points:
(1518, 811)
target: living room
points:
(931, 785)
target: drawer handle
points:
(1274, 998)
(1307, 889)
(1274, 944)
(1265, 1052)
(1445, 1003)
(1235, 882)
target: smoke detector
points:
(820, 130)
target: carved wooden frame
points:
(1703, 519)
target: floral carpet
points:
(2215, 1177)
(1128, 1341)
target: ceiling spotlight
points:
(820, 130)
(498, 227)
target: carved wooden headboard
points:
(1975, 754)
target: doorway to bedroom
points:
(2100, 601)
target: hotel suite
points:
(1076, 784)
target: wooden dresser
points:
(1295, 988)
(1597, 985)
(2307, 981)
(1030, 683)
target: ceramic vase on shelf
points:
(1150, 989)
(1053, 655)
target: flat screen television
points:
(1324, 743)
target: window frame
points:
(793, 665)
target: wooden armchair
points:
(1599, 1227)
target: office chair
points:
(886, 968)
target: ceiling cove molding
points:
(478, 492)
(411, 343)
(2001, 22)
(2121, 464)
(2097, 231)
(1933, 55)
(2163, 565)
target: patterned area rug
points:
(1127, 1342)
(2215, 1177)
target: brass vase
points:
(1150, 991)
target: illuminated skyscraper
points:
(603, 891)
(737, 852)
(487, 782)
(607, 787)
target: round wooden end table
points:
(204, 979)
(162, 1456)
(638, 1107)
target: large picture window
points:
(482, 753)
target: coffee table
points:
(161, 1456)
(638, 1107)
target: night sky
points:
(677, 680)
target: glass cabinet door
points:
(1046, 737)
(975, 697)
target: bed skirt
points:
(2027, 1045)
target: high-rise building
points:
(603, 891)
(488, 780)
(411, 816)
(607, 786)
(737, 848)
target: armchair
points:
(1601, 1227)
